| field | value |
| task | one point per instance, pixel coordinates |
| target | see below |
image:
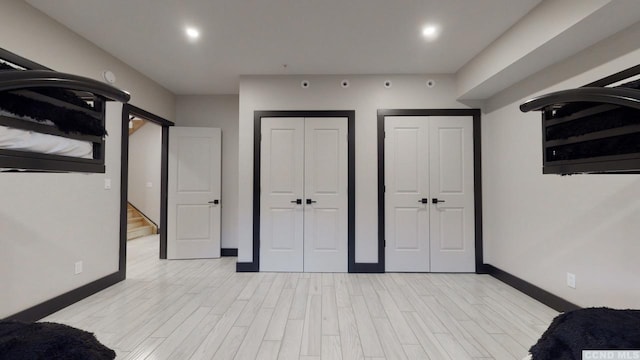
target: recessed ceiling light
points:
(192, 33)
(430, 32)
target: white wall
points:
(219, 111)
(50, 221)
(366, 94)
(539, 227)
(145, 158)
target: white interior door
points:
(193, 224)
(282, 194)
(429, 200)
(303, 198)
(451, 183)
(407, 183)
(326, 200)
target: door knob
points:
(423, 201)
(435, 201)
(214, 202)
(309, 201)
(297, 201)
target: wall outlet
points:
(78, 269)
(571, 280)
(107, 184)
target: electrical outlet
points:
(107, 184)
(571, 280)
(78, 269)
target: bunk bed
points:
(51, 121)
(594, 129)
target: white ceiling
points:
(257, 37)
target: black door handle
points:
(309, 201)
(435, 200)
(214, 202)
(423, 201)
(297, 201)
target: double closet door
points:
(429, 194)
(303, 195)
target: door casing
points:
(128, 110)
(254, 266)
(477, 175)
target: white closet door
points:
(193, 224)
(429, 158)
(451, 183)
(326, 204)
(407, 183)
(282, 185)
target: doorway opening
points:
(143, 192)
(149, 183)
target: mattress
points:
(23, 140)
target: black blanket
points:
(20, 341)
(588, 329)
(67, 120)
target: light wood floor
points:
(203, 309)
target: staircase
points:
(138, 225)
(135, 124)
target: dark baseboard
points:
(228, 252)
(356, 268)
(370, 268)
(48, 307)
(545, 297)
(246, 267)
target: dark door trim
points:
(127, 111)
(351, 155)
(477, 174)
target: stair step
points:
(135, 224)
(139, 232)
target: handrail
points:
(618, 96)
(12, 80)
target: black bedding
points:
(51, 121)
(65, 119)
(591, 129)
(49, 341)
(588, 329)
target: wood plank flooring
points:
(203, 309)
